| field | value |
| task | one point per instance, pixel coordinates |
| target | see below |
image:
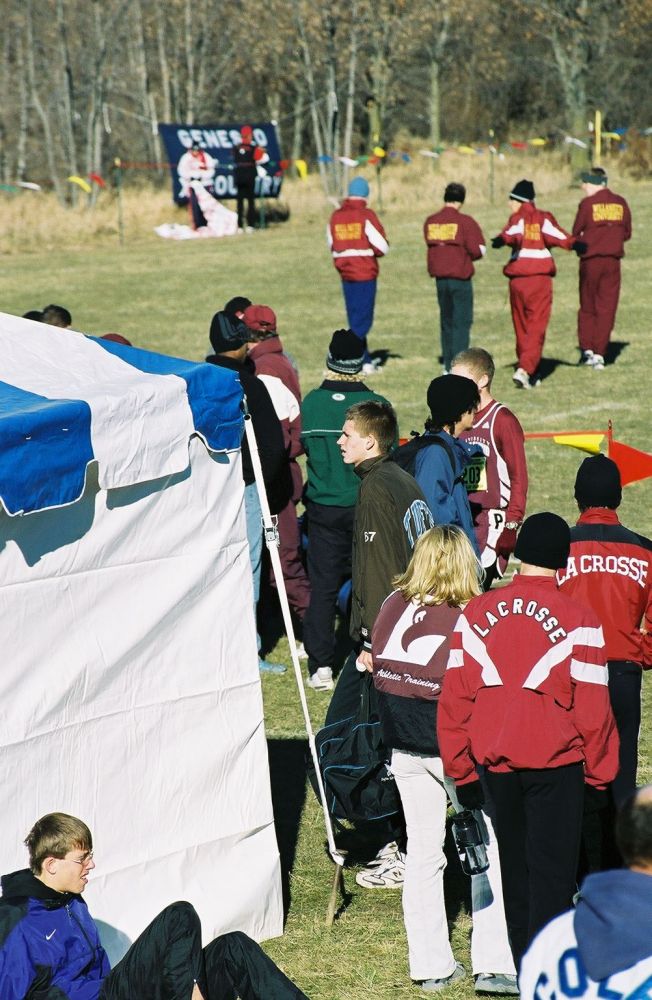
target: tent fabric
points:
(130, 696)
(67, 399)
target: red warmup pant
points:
(294, 574)
(531, 301)
(599, 291)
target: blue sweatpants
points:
(360, 297)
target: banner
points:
(217, 143)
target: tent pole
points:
(272, 541)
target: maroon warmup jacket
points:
(604, 223)
(454, 241)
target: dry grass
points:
(37, 221)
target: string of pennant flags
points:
(378, 154)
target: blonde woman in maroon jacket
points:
(410, 646)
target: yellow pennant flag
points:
(84, 185)
(585, 442)
(537, 142)
(465, 149)
(379, 151)
(302, 168)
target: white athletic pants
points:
(420, 782)
(490, 951)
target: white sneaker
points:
(249, 229)
(301, 651)
(435, 985)
(521, 379)
(384, 854)
(390, 874)
(587, 357)
(370, 368)
(597, 363)
(321, 680)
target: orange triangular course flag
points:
(585, 442)
(632, 463)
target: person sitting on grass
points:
(50, 945)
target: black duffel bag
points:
(354, 764)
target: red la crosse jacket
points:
(610, 570)
(526, 686)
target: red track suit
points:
(276, 371)
(526, 696)
(610, 570)
(497, 479)
(604, 223)
(530, 233)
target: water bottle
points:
(469, 843)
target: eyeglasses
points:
(86, 859)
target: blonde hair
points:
(53, 835)
(443, 569)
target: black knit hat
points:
(544, 540)
(598, 483)
(236, 305)
(523, 191)
(227, 333)
(449, 396)
(345, 353)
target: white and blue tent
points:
(130, 692)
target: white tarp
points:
(130, 696)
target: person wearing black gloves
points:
(525, 696)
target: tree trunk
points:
(312, 92)
(297, 130)
(350, 92)
(48, 139)
(68, 96)
(164, 66)
(23, 115)
(142, 75)
(190, 62)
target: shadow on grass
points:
(614, 350)
(287, 766)
(383, 355)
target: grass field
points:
(162, 296)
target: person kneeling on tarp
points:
(50, 946)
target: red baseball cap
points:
(260, 318)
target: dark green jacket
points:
(323, 412)
(390, 515)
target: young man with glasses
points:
(50, 946)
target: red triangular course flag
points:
(632, 463)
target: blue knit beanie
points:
(358, 188)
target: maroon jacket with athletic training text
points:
(610, 570)
(356, 239)
(454, 241)
(526, 686)
(604, 223)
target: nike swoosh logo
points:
(48, 936)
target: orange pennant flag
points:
(632, 463)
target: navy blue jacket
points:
(442, 484)
(49, 944)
